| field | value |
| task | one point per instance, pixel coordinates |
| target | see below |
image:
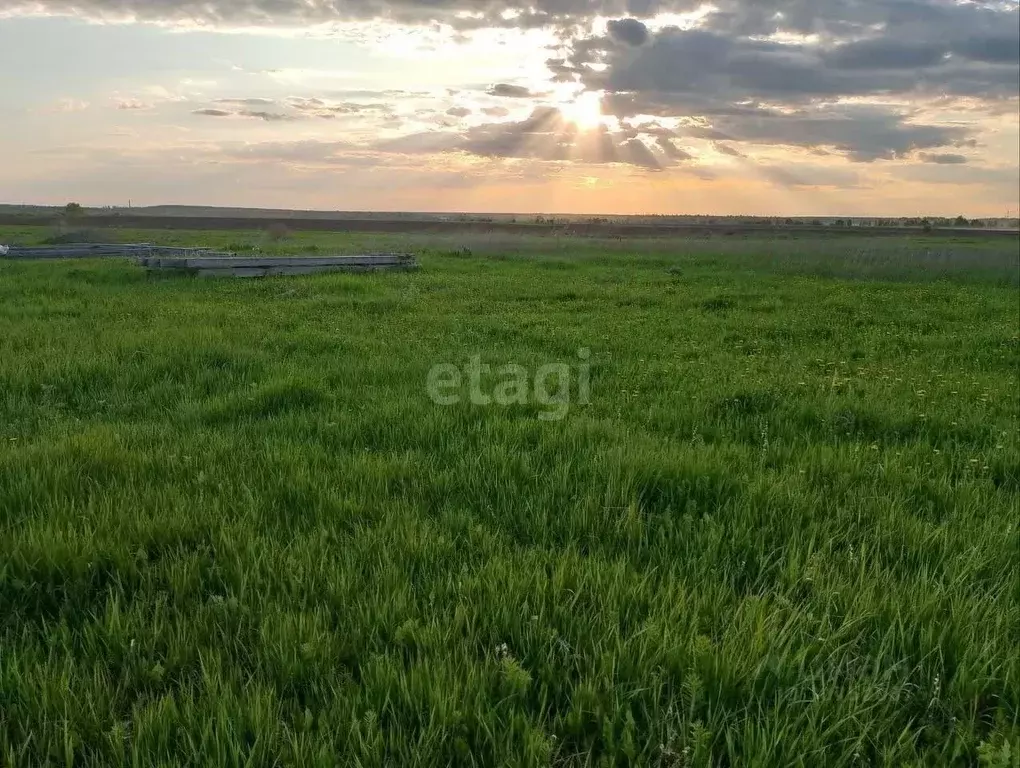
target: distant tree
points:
(961, 222)
(926, 225)
(73, 210)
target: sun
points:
(584, 110)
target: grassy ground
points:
(235, 530)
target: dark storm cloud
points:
(862, 133)
(884, 54)
(291, 13)
(728, 82)
(629, 31)
(866, 46)
(710, 65)
(993, 49)
(841, 19)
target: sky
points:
(766, 107)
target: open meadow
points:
(236, 529)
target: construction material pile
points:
(263, 266)
(100, 251)
(209, 263)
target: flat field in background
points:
(235, 530)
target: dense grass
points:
(234, 530)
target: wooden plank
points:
(263, 262)
(103, 250)
(213, 263)
(292, 270)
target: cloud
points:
(863, 133)
(850, 81)
(429, 142)
(316, 107)
(508, 91)
(842, 20)
(253, 113)
(629, 31)
(942, 159)
(546, 135)
(561, 71)
(70, 105)
(293, 108)
(671, 150)
(303, 174)
(250, 102)
(294, 14)
(883, 53)
(132, 104)
(636, 152)
(857, 79)
(703, 63)
(992, 49)
(726, 149)
(269, 117)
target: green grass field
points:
(235, 529)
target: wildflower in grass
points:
(515, 677)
